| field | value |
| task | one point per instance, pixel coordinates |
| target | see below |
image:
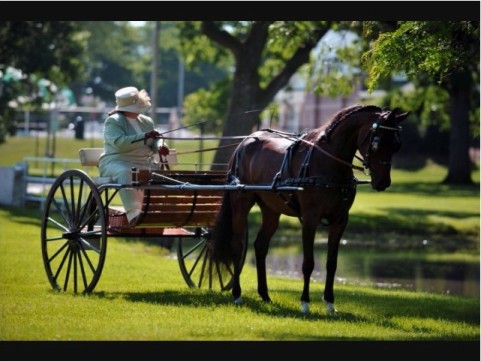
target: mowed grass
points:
(142, 296)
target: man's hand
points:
(152, 134)
(164, 150)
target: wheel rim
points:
(197, 266)
(73, 235)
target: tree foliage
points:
(37, 58)
(445, 53)
(336, 68)
(113, 58)
(434, 47)
(207, 106)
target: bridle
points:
(374, 140)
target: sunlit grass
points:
(142, 296)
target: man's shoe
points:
(133, 222)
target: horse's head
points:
(381, 142)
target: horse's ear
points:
(401, 116)
(398, 115)
(323, 136)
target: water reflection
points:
(386, 272)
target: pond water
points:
(382, 269)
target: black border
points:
(247, 10)
(247, 350)
(240, 10)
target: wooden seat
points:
(180, 207)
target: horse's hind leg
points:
(270, 222)
(241, 205)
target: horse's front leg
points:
(270, 222)
(308, 235)
(334, 237)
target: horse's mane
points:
(342, 114)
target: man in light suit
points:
(124, 130)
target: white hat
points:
(130, 99)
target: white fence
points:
(40, 173)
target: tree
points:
(32, 52)
(446, 51)
(264, 56)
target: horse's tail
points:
(222, 232)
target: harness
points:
(302, 179)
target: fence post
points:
(13, 185)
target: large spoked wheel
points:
(197, 266)
(73, 234)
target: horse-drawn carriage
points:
(309, 176)
(82, 212)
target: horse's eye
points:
(375, 143)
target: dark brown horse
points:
(320, 161)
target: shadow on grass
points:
(383, 306)
(430, 188)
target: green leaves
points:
(434, 47)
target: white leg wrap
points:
(304, 307)
(330, 307)
(238, 301)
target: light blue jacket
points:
(119, 151)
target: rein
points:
(290, 137)
(373, 143)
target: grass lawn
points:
(142, 296)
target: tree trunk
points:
(247, 98)
(459, 167)
(243, 116)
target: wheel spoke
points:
(72, 196)
(58, 224)
(194, 248)
(201, 277)
(69, 265)
(81, 267)
(219, 275)
(79, 203)
(194, 266)
(66, 203)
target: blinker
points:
(375, 143)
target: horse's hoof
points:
(304, 307)
(238, 301)
(330, 308)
